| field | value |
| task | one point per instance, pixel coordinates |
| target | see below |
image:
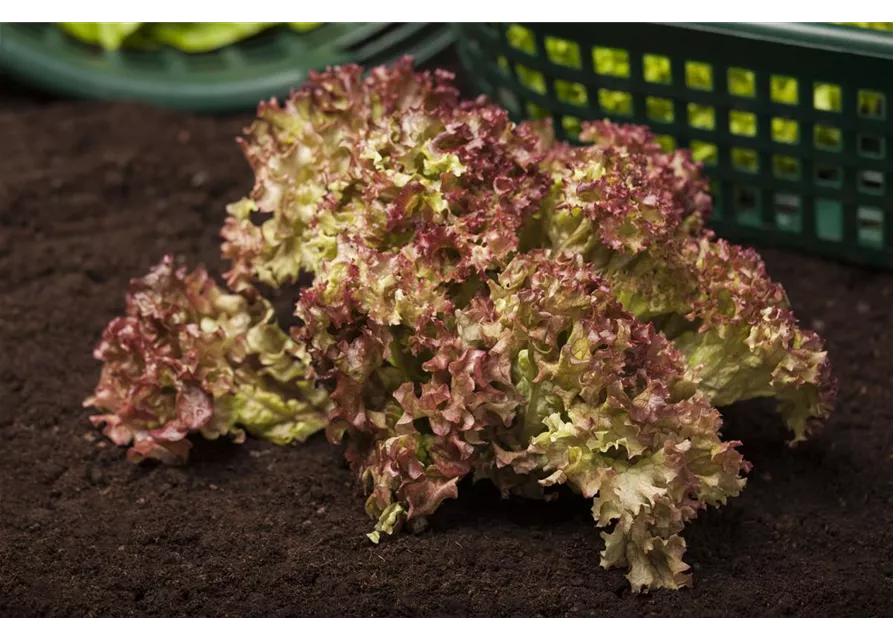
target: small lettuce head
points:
(188, 357)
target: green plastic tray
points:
(792, 120)
(232, 78)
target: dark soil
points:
(93, 195)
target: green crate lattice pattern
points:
(793, 135)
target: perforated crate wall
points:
(792, 121)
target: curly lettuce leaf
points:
(614, 412)
(636, 214)
(390, 162)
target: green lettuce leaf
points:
(108, 35)
(197, 37)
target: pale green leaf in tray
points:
(196, 37)
(108, 35)
(190, 37)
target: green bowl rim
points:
(179, 81)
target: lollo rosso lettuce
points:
(395, 161)
(188, 357)
(485, 303)
(541, 378)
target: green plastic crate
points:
(792, 120)
(231, 78)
